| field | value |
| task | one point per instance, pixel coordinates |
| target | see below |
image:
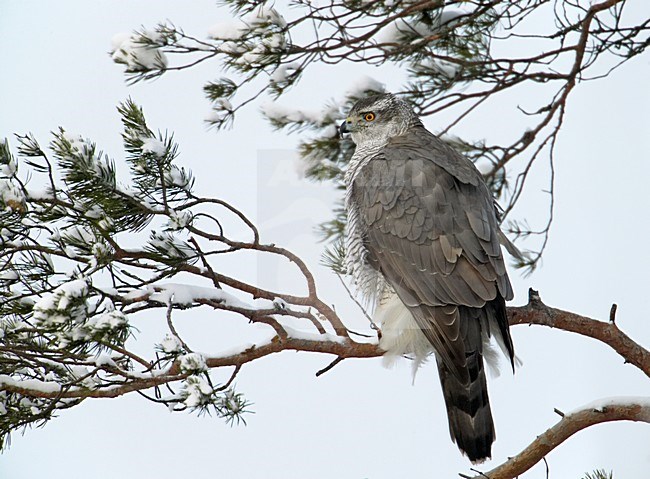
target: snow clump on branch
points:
(261, 18)
(66, 302)
(197, 392)
(193, 363)
(139, 51)
(252, 38)
(171, 345)
(414, 29)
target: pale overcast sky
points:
(359, 420)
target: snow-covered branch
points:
(304, 342)
(71, 287)
(292, 340)
(451, 55)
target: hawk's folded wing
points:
(432, 231)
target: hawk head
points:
(372, 121)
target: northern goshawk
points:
(423, 244)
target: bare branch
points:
(634, 409)
(536, 312)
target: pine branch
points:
(447, 50)
(537, 313)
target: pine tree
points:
(70, 288)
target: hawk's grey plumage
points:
(423, 243)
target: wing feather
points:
(432, 231)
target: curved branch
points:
(536, 312)
(619, 409)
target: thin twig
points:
(206, 263)
(171, 324)
(612, 313)
(329, 366)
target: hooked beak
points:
(343, 128)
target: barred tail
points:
(468, 409)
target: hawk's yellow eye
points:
(369, 116)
